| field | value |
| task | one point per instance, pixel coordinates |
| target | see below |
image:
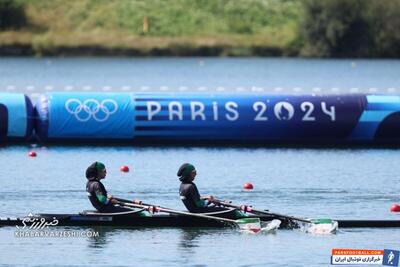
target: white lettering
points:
(231, 107)
(199, 111)
(331, 113)
(260, 108)
(308, 108)
(215, 110)
(178, 111)
(153, 108)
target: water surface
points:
(332, 183)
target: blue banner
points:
(16, 116)
(220, 117)
(87, 115)
(243, 117)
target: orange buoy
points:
(395, 208)
(32, 154)
(248, 186)
(124, 168)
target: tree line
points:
(350, 28)
(328, 28)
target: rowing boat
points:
(134, 219)
(124, 219)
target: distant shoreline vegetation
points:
(297, 28)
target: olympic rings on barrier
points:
(91, 108)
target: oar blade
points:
(250, 225)
(322, 227)
(271, 226)
(322, 221)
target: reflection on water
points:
(189, 238)
(100, 241)
(186, 247)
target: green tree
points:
(384, 18)
(12, 14)
(337, 28)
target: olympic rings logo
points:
(91, 108)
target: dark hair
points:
(91, 171)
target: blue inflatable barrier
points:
(85, 116)
(217, 117)
(16, 117)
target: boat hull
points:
(171, 221)
(123, 221)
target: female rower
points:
(97, 193)
(190, 194)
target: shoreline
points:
(103, 51)
(90, 50)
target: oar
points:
(130, 201)
(266, 212)
(249, 224)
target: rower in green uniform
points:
(190, 195)
(97, 193)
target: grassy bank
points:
(217, 28)
(315, 28)
(105, 43)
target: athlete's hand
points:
(209, 198)
(111, 199)
(137, 201)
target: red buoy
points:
(395, 208)
(32, 154)
(248, 186)
(124, 168)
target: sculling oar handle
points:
(244, 208)
(225, 203)
(130, 201)
(171, 211)
(247, 224)
(247, 208)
